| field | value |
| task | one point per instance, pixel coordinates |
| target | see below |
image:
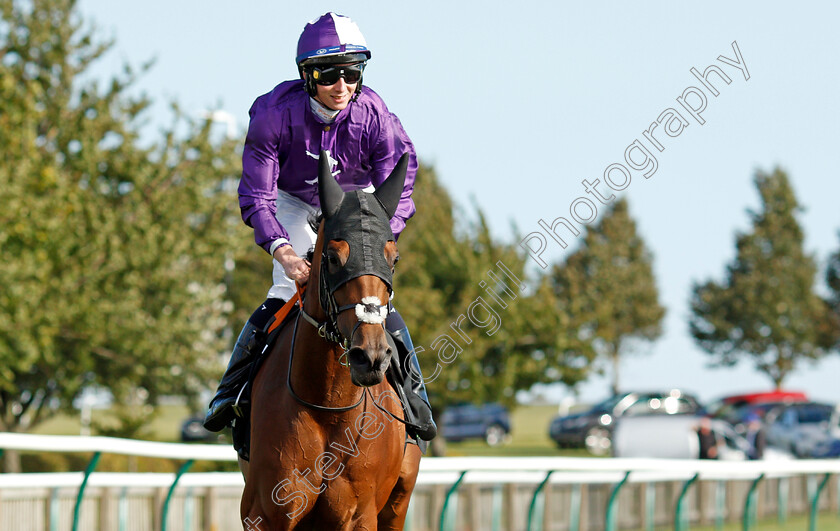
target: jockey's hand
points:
(296, 268)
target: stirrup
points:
(239, 410)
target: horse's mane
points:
(314, 221)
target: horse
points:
(327, 448)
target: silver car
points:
(798, 428)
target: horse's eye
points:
(333, 263)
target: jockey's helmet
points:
(329, 40)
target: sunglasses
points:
(330, 74)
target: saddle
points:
(397, 375)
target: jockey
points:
(327, 109)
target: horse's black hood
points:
(362, 220)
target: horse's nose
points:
(370, 360)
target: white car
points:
(675, 437)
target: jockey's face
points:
(336, 96)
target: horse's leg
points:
(392, 516)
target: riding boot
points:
(227, 404)
(418, 399)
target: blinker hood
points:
(362, 220)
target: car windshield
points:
(814, 415)
(608, 404)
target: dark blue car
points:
(490, 422)
(827, 449)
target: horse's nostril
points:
(382, 364)
(358, 356)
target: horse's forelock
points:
(314, 221)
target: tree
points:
(483, 338)
(113, 252)
(830, 331)
(766, 308)
(608, 288)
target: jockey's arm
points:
(392, 142)
(258, 185)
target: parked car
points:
(675, 437)
(827, 449)
(736, 409)
(830, 446)
(490, 422)
(193, 430)
(798, 428)
(593, 429)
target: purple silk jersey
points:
(285, 139)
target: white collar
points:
(323, 112)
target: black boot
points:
(227, 404)
(415, 388)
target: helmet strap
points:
(358, 91)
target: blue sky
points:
(516, 103)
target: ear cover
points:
(390, 191)
(329, 191)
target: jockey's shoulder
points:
(369, 98)
(287, 93)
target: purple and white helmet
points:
(331, 39)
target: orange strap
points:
(281, 314)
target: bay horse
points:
(327, 451)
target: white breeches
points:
(293, 214)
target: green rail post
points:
(610, 519)
(88, 471)
(497, 508)
(679, 518)
(815, 501)
(782, 495)
(574, 508)
(650, 506)
(122, 510)
(749, 504)
(54, 512)
(720, 504)
(531, 509)
(449, 494)
(165, 510)
(189, 508)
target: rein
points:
(289, 373)
(316, 407)
(329, 331)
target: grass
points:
(826, 521)
(528, 437)
(166, 425)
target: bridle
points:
(329, 330)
